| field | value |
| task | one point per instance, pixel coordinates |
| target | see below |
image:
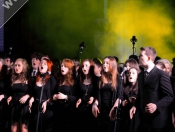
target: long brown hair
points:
(49, 69)
(91, 71)
(68, 79)
(110, 76)
(22, 77)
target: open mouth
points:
(62, 70)
(34, 64)
(84, 70)
(41, 67)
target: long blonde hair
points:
(23, 75)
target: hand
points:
(1, 97)
(173, 119)
(55, 97)
(124, 102)
(132, 99)
(30, 104)
(78, 103)
(95, 110)
(91, 99)
(61, 96)
(44, 105)
(112, 113)
(9, 99)
(150, 108)
(23, 99)
(132, 112)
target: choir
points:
(90, 96)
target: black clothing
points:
(45, 119)
(129, 125)
(156, 89)
(85, 116)
(19, 112)
(3, 106)
(64, 110)
(106, 99)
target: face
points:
(64, 69)
(132, 75)
(35, 63)
(18, 67)
(1, 65)
(128, 66)
(143, 58)
(97, 70)
(106, 65)
(43, 66)
(168, 69)
(7, 61)
(86, 67)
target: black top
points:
(48, 90)
(107, 97)
(19, 112)
(69, 91)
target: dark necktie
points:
(34, 73)
(145, 75)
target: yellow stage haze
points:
(149, 22)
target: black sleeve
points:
(72, 97)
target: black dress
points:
(3, 103)
(45, 123)
(19, 112)
(64, 110)
(106, 99)
(85, 116)
(127, 124)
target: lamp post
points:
(133, 40)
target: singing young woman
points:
(19, 96)
(64, 98)
(40, 104)
(109, 92)
(86, 92)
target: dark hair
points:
(156, 59)
(12, 59)
(36, 55)
(97, 61)
(132, 63)
(116, 58)
(135, 57)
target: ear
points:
(149, 58)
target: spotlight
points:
(133, 40)
(10, 50)
(81, 47)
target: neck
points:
(149, 65)
(98, 75)
(133, 83)
(86, 77)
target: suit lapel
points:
(151, 75)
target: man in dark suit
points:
(154, 96)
